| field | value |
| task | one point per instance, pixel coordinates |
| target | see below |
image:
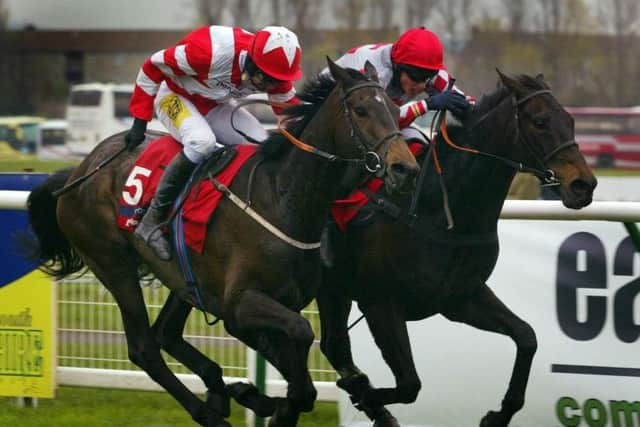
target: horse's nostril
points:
(399, 168)
(405, 170)
(579, 186)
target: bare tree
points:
(417, 12)
(381, 14)
(276, 10)
(551, 15)
(349, 12)
(210, 11)
(454, 16)
(4, 15)
(241, 13)
(620, 16)
(516, 13)
(577, 17)
(304, 12)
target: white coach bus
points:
(96, 111)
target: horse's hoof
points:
(209, 418)
(285, 415)
(385, 419)
(355, 384)
(250, 397)
(219, 403)
(494, 419)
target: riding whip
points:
(82, 179)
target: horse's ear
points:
(540, 77)
(371, 72)
(337, 72)
(512, 84)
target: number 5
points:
(134, 181)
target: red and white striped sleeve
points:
(441, 81)
(191, 57)
(283, 93)
(410, 111)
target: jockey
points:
(193, 88)
(408, 68)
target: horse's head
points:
(372, 123)
(545, 139)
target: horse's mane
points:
(314, 93)
(491, 100)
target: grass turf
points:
(81, 407)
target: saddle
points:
(202, 198)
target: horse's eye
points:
(540, 123)
(360, 111)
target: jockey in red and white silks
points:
(193, 87)
(408, 68)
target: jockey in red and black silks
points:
(193, 87)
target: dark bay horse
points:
(254, 281)
(399, 273)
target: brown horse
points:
(254, 281)
(413, 270)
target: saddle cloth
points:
(199, 205)
(346, 210)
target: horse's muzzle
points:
(401, 177)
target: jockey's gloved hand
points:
(449, 100)
(135, 136)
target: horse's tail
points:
(49, 245)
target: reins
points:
(546, 175)
(371, 160)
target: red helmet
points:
(419, 47)
(276, 51)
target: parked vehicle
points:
(20, 132)
(96, 111)
(608, 137)
(51, 140)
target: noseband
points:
(546, 175)
(372, 161)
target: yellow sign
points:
(28, 337)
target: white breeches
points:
(411, 132)
(202, 135)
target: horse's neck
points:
(307, 183)
(476, 186)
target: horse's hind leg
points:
(168, 330)
(144, 350)
(284, 338)
(485, 311)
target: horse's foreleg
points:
(334, 308)
(485, 311)
(168, 329)
(388, 327)
(284, 338)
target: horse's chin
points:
(393, 187)
(573, 201)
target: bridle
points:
(545, 175)
(370, 158)
(369, 149)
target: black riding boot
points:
(171, 183)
